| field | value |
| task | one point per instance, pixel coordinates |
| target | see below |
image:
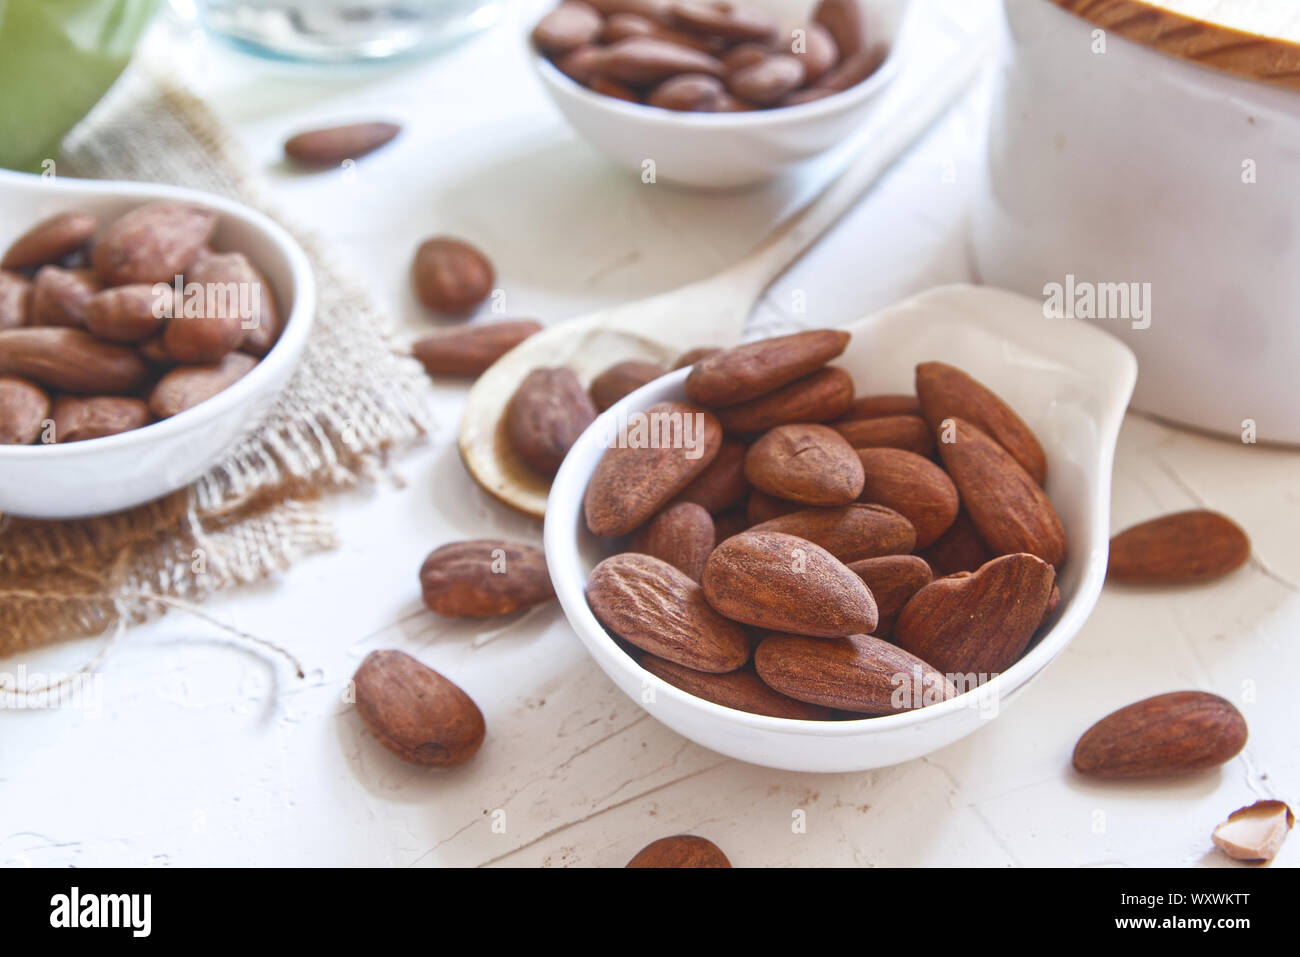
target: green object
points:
(57, 58)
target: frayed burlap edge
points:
(353, 399)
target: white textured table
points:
(208, 753)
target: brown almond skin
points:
(244, 307)
(906, 432)
(334, 144)
(745, 372)
(689, 92)
(580, 65)
(70, 359)
(59, 296)
(1182, 548)
(50, 240)
(843, 20)
(645, 61)
(78, 418)
(127, 313)
(692, 356)
(261, 321)
(769, 80)
(762, 507)
(945, 391)
(152, 243)
(820, 52)
(742, 690)
(681, 534)
(819, 397)
(811, 464)
(620, 379)
(853, 69)
(650, 604)
(15, 299)
(914, 487)
(1252, 846)
(186, 386)
(783, 583)
(469, 350)
(959, 549)
(631, 484)
(858, 673)
(722, 484)
(570, 25)
(1010, 509)
(682, 850)
(24, 407)
(881, 405)
(484, 578)
(981, 622)
(893, 580)
(451, 276)
(731, 22)
(731, 522)
(849, 532)
(1177, 733)
(547, 413)
(415, 712)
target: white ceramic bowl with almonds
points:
(114, 472)
(1069, 381)
(723, 150)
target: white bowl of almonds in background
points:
(714, 138)
(167, 419)
(1070, 389)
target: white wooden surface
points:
(202, 752)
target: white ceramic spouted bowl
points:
(128, 469)
(722, 150)
(1069, 381)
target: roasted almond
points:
(692, 356)
(681, 534)
(893, 580)
(882, 405)
(722, 484)
(946, 392)
(1176, 733)
(77, 418)
(484, 578)
(859, 673)
(15, 299)
(1193, 546)
(784, 583)
(652, 460)
(818, 52)
(469, 350)
(127, 313)
(186, 386)
(959, 549)
(70, 359)
(334, 144)
(547, 413)
(1008, 507)
(907, 432)
(240, 290)
(644, 61)
(762, 507)
(652, 605)
(843, 20)
(742, 690)
(818, 397)
(682, 850)
(1255, 833)
(232, 305)
(24, 407)
(811, 464)
(59, 296)
(620, 379)
(978, 623)
(849, 532)
(914, 487)
(769, 80)
(727, 21)
(450, 275)
(152, 243)
(854, 68)
(567, 27)
(415, 712)
(50, 240)
(748, 371)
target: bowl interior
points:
(1070, 382)
(27, 199)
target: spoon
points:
(710, 312)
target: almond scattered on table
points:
(1255, 833)
(682, 850)
(1176, 733)
(1185, 547)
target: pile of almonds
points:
(783, 560)
(707, 55)
(93, 340)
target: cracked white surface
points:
(204, 752)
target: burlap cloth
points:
(352, 400)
